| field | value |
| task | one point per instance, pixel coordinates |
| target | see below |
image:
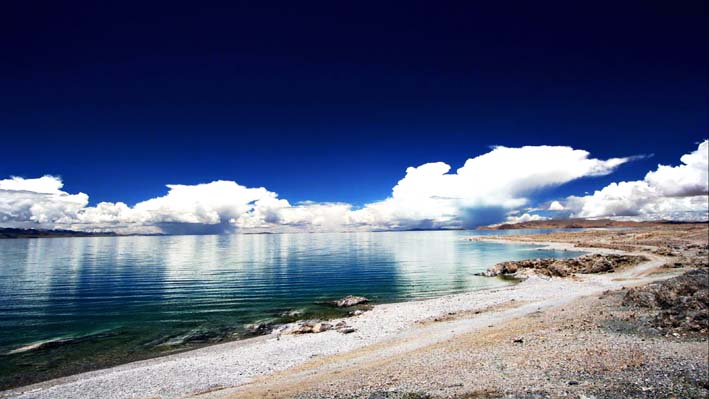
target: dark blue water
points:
(100, 301)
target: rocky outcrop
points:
(563, 267)
(682, 302)
(350, 300)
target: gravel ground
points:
(583, 349)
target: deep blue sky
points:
(331, 101)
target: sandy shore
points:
(390, 335)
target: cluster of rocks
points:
(595, 263)
(682, 302)
(313, 326)
(318, 326)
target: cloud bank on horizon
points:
(495, 187)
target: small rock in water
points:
(350, 300)
(292, 313)
(198, 335)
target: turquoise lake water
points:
(102, 301)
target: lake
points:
(74, 304)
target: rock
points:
(599, 266)
(310, 327)
(350, 300)
(198, 335)
(491, 272)
(355, 312)
(559, 269)
(305, 327)
(343, 328)
(260, 328)
(292, 313)
(511, 268)
(320, 327)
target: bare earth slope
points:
(571, 224)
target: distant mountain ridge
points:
(9, 232)
(571, 224)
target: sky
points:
(240, 106)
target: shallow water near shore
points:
(74, 304)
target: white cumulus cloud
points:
(483, 190)
(556, 206)
(670, 192)
(525, 217)
(38, 201)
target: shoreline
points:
(384, 321)
(228, 369)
